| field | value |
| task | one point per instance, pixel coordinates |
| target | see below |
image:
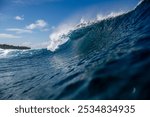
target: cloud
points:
(8, 36)
(53, 27)
(19, 31)
(39, 24)
(19, 18)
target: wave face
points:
(108, 59)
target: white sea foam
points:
(4, 53)
(58, 37)
(111, 15)
(140, 2)
(7, 53)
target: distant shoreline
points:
(5, 46)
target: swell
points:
(102, 34)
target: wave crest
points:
(61, 35)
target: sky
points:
(31, 22)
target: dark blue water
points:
(109, 59)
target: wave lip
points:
(57, 39)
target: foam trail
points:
(5, 53)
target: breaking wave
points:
(62, 34)
(107, 58)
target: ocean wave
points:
(111, 55)
(62, 33)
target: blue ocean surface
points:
(108, 59)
